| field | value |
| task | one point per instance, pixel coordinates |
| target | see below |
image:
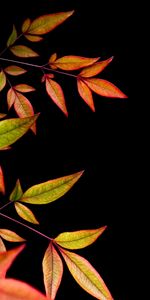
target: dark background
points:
(100, 143)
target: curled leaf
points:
(17, 192)
(25, 213)
(10, 236)
(85, 94)
(72, 62)
(2, 183)
(23, 51)
(2, 80)
(24, 88)
(12, 37)
(2, 246)
(33, 38)
(14, 70)
(96, 68)
(26, 25)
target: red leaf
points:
(96, 68)
(72, 62)
(85, 94)
(2, 183)
(7, 258)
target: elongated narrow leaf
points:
(11, 96)
(24, 88)
(85, 94)
(96, 68)
(17, 192)
(23, 51)
(24, 108)
(2, 183)
(6, 260)
(2, 115)
(104, 88)
(47, 23)
(2, 246)
(72, 62)
(25, 213)
(14, 70)
(12, 37)
(13, 129)
(10, 236)
(2, 80)
(51, 190)
(33, 38)
(55, 92)
(52, 271)
(79, 239)
(26, 24)
(12, 289)
(86, 276)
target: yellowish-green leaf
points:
(85, 94)
(10, 236)
(14, 70)
(17, 192)
(51, 190)
(33, 38)
(2, 115)
(2, 246)
(72, 62)
(96, 68)
(2, 183)
(47, 23)
(25, 213)
(86, 276)
(11, 96)
(26, 25)
(6, 260)
(23, 51)
(12, 37)
(79, 239)
(2, 80)
(52, 271)
(24, 88)
(11, 130)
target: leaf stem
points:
(5, 49)
(5, 205)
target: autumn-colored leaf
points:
(23, 51)
(14, 70)
(2, 183)
(26, 24)
(79, 239)
(2, 246)
(47, 23)
(24, 88)
(12, 37)
(51, 190)
(55, 92)
(52, 271)
(53, 57)
(2, 80)
(17, 192)
(10, 236)
(11, 96)
(72, 62)
(13, 129)
(6, 260)
(33, 38)
(104, 88)
(85, 94)
(96, 68)
(86, 276)
(2, 115)
(25, 213)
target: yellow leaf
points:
(72, 62)
(2, 246)
(85, 94)
(14, 70)
(26, 25)
(12, 37)
(33, 38)
(2, 80)
(96, 68)
(24, 88)
(2, 183)
(25, 213)
(10, 236)
(6, 260)
(23, 51)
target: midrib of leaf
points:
(77, 239)
(25, 213)
(17, 126)
(21, 104)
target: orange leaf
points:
(23, 51)
(2, 183)
(85, 94)
(53, 57)
(10, 236)
(52, 271)
(26, 24)
(47, 23)
(2, 80)
(14, 70)
(104, 88)
(11, 96)
(33, 38)
(72, 62)
(25, 88)
(96, 68)
(2, 246)
(55, 92)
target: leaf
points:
(25, 213)
(78, 239)
(12, 289)
(24, 108)
(52, 271)
(13, 129)
(14, 70)
(51, 190)
(2, 80)
(55, 92)
(23, 51)
(104, 88)
(96, 68)
(11, 96)
(86, 276)
(2, 246)
(26, 24)
(17, 192)
(6, 260)
(2, 183)
(10, 236)
(72, 62)
(2, 115)
(24, 88)
(47, 23)
(33, 38)
(12, 37)
(85, 94)
(52, 58)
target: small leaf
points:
(2, 183)
(78, 239)
(47, 23)
(72, 62)
(25, 213)
(23, 51)
(52, 58)
(33, 38)
(96, 68)
(55, 92)
(6, 260)
(24, 88)
(14, 70)
(10, 236)
(104, 88)
(2, 80)
(86, 276)
(26, 25)
(11, 96)
(51, 190)
(2, 115)
(52, 271)
(13, 129)
(12, 37)
(2, 247)
(17, 192)
(85, 94)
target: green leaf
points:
(10, 236)
(23, 51)
(25, 213)
(2, 80)
(17, 192)
(50, 190)
(12, 37)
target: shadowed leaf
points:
(6, 260)
(10, 236)
(24, 88)
(26, 25)
(23, 51)
(12, 37)
(2, 80)
(72, 62)
(2, 246)
(2, 115)
(52, 58)
(25, 213)
(17, 192)
(14, 70)
(85, 94)
(2, 183)
(96, 68)
(33, 38)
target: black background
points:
(98, 142)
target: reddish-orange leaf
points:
(26, 24)
(104, 88)
(14, 70)
(2, 246)
(52, 271)
(85, 94)
(24, 88)
(72, 62)
(23, 51)
(53, 57)
(11, 96)
(2, 183)
(55, 92)
(33, 38)
(2, 80)
(96, 68)
(47, 76)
